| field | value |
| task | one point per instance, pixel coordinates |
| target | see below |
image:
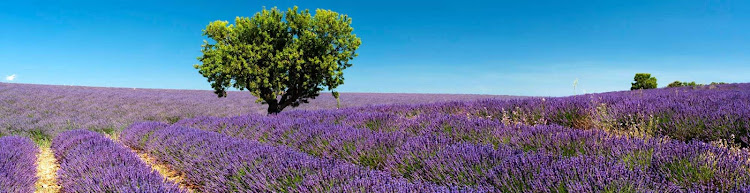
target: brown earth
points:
(46, 172)
(165, 171)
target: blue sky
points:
(484, 47)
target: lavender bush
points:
(459, 151)
(17, 164)
(217, 163)
(90, 162)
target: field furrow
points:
(47, 167)
(162, 168)
(91, 162)
(166, 171)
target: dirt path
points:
(46, 171)
(165, 171)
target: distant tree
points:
(643, 81)
(284, 59)
(676, 83)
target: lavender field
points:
(374, 96)
(664, 140)
(688, 139)
(43, 111)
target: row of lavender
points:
(17, 164)
(217, 163)
(91, 162)
(708, 113)
(43, 111)
(460, 151)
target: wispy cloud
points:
(10, 78)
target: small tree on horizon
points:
(643, 81)
(677, 83)
(674, 84)
(284, 59)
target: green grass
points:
(173, 119)
(687, 173)
(638, 159)
(374, 125)
(572, 149)
(39, 137)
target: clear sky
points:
(484, 47)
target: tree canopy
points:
(283, 58)
(643, 81)
(677, 83)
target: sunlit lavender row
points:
(705, 113)
(42, 111)
(458, 151)
(91, 162)
(17, 164)
(218, 163)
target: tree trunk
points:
(273, 107)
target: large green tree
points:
(643, 81)
(282, 58)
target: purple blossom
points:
(90, 162)
(17, 164)
(215, 162)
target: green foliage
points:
(529, 147)
(109, 131)
(236, 182)
(684, 172)
(284, 59)
(643, 81)
(638, 159)
(144, 139)
(677, 83)
(691, 84)
(375, 124)
(173, 119)
(40, 137)
(410, 165)
(573, 117)
(572, 148)
(620, 187)
(375, 160)
(290, 182)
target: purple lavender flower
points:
(219, 163)
(90, 162)
(17, 164)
